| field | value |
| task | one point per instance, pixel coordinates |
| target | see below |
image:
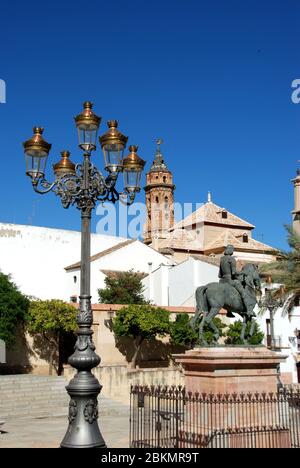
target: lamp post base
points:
(83, 430)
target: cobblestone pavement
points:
(49, 432)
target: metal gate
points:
(170, 417)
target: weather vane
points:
(159, 142)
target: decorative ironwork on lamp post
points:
(83, 185)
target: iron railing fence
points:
(171, 417)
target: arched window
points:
(166, 203)
(245, 238)
(164, 179)
(156, 200)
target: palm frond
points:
(293, 238)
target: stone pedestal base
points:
(230, 370)
(230, 404)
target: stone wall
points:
(115, 351)
(31, 355)
(116, 380)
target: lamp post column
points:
(84, 388)
(271, 310)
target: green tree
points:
(141, 322)
(209, 334)
(13, 309)
(50, 319)
(122, 288)
(235, 329)
(182, 334)
(286, 270)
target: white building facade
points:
(37, 258)
(175, 285)
(124, 256)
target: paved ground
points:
(48, 432)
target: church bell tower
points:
(159, 200)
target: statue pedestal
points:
(250, 417)
(230, 369)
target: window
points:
(156, 199)
(164, 179)
(224, 214)
(75, 279)
(245, 238)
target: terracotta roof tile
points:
(229, 237)
(210, 212)
(183, 239)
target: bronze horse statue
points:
(213, 297)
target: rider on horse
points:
(228, 274)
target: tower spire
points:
(158, 163)
(159, 142)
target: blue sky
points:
(212, 78)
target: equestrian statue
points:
(236, 292)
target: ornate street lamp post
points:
(83, 185)
(271, 303)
